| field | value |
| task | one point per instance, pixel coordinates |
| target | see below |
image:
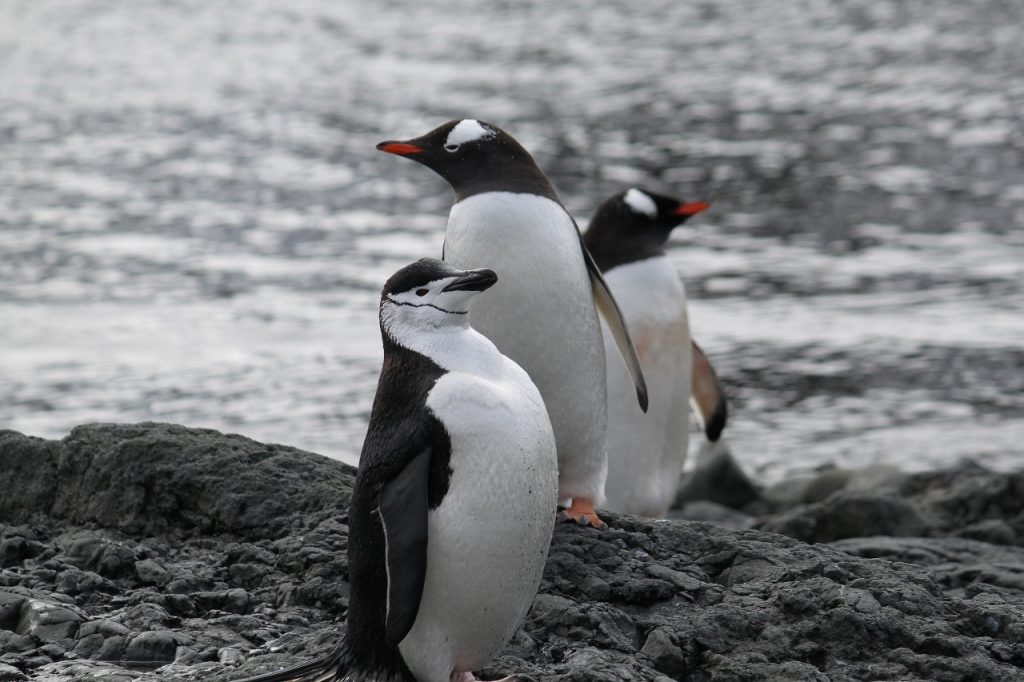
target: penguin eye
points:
(452, 147)
(422, 292)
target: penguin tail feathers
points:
(328, 668)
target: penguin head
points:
(430, 294)
(639, 213)
(468, 151)
(634, 225)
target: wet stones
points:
(18, 544)
(150, 572)
(73, 581)
(96, 552)
(152, 647)
(849, 514)
(717, 478)
(644, 600)
(47, 622)
(11, 674)
(665, 653)
(102, 639)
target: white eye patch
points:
(639, 202)
(466, 131)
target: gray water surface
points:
(194, 223)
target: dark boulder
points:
(209, 580)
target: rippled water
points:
(194, 223)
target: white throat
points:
(453, 345)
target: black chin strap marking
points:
(429, 305)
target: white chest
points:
(489, 536)
(649, 293)
(530, 241)
(646, 451)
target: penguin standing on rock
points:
(646, 451)
(544, 312)
(454, 503)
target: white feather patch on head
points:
(641, 203)
(466, 131)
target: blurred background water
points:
(194, 223)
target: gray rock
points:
(817, 487)
(150, 572)
(13, 643)
(86, 670)
(665, 653)
(995, 531)
(10, 609)
(249, 575)
(716, 478)
(230, 656)
(74, 581)
(112, 649)
(849, 514)
(47, 622)
(712, 512)
(104, 627)
(8, 673)
(145, 479)
(98, 552)
(789, 492)
(145, 616)
(641, 601)
(154, 646)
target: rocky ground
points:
(154, 551)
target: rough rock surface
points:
(153, 551)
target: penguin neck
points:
(516, 174)
(454, 347)
(611, 252)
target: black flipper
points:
(403, 514)
(707, 396)
(609, 310)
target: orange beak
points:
(691, 208)
(400, 148)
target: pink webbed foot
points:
(581, 511)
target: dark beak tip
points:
(474, 280)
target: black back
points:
(618, 235)
(496, 163)
(401, 427)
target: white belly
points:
(541, 314)
(646, 452)
(489, 537)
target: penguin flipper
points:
(707, 396)
(403, 515)
(609, 310)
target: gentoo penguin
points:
(507, 216)
(454, 503)
(646, 451)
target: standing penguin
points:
(454, 503)
(646, 451)
(507, 216)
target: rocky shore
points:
(155, 551)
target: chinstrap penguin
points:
(454, 502)
(646, 451)
(544, 312)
